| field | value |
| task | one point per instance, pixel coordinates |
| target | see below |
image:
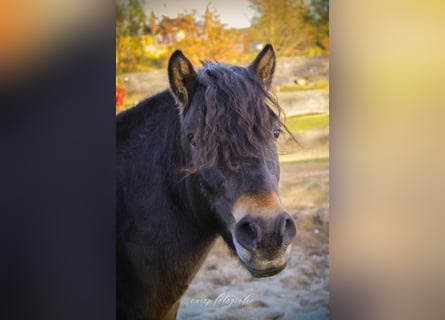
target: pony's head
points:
(230, 124)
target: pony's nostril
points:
(288, 230)
(287, 225)
(247, 233)
(248, 228)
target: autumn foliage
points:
(144, 42)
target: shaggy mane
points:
(236, 116)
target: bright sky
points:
(233, 13)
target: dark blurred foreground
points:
(57, 162)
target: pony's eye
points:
(190, 139)
(276, 133)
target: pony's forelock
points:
(236, 116)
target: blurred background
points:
(147, 33)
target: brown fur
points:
(263, 205)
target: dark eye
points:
(276, 133)
(190, 139)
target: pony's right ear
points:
(182, 77)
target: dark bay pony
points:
(194, 162)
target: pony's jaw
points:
(258, 267)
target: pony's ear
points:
(264, 65)
(181, 76)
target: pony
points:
(197, 161)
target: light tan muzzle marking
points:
(263, 205)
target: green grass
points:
(307, 122)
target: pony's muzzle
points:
(277, 232)
(263, 244)
(263, 234)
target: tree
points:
(283, 23)
(213, 33)
(130, 28)
(152, 22)
(319, 11)
(136, 18)
(120, 32)
(219, 43)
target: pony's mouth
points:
(262, 273)
(260, 268)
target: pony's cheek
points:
(194, 163)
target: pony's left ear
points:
(264, 65)
(181, 76)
